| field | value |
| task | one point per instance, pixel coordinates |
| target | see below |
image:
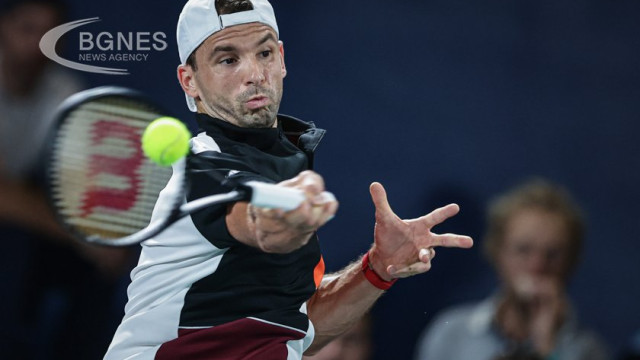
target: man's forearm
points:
(271, 238)
(338, 304)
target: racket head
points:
(100, 184)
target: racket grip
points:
(274, 196)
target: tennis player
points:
(242, 282)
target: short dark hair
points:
(222, 7)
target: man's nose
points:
(254, 72)
(538, 262)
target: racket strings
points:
(102, 183)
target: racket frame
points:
(63, 111)
(258, 193)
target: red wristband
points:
(373, 277)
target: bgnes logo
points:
(103, 47)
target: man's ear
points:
(281, 48)
(187, 80)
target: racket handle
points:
(274, 196)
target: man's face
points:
(535, 248)
(239, 75)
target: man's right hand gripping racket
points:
(102, 186)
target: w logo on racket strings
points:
(102, 47)
(118, 188)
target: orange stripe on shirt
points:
(318, 272)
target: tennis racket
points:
(102, 187)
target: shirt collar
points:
(259, 137)
(305, 135)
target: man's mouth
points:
(257, 102)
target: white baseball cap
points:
(199, 20)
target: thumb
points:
(379, 197)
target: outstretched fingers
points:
(452, 240)
(439, 215)
(379, 197)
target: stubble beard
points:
(236, 112)
(264, 117)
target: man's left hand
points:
(404, 248)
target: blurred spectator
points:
(56, 293)
(355, 344)
(533, 240)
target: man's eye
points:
(228, 61)
(265, 53)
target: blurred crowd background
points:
(441, 101)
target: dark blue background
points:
(451, 101)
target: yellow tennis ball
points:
(166, 140)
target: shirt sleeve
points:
(213, 173)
